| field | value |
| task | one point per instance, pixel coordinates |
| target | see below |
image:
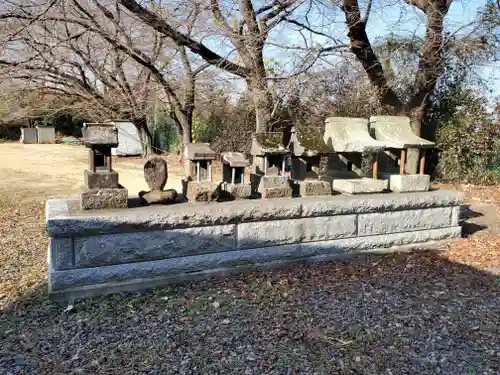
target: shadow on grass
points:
(407, 313)
(468, 227)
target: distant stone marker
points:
(156, 173)
(156, 176)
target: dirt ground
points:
(426, 312)
(58, 169)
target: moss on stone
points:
(311, 138)
(270, 141)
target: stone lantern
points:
(101, 189)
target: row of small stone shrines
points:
(352, 167)
(105, 251)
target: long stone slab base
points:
(100, 252)
(359, 186)
(132, 277)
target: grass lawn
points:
(410, 313)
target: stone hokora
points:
(233, 176)
(156, 175)
(350, 139)
(198, 184)
(269, 177)
(102, 189)
(308, 147)
(396, 132)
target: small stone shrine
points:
(307, 146)
(349, 137)
(396, 133)
(269, 176)
(156, 175)
(233, 175)
(101, 189)
(198, 184)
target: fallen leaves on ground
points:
(409, 313)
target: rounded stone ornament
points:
(156, 173)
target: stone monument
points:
(233, 175)
(350, 138)
(269, 177)
(156, 175)
(198, 185)
(308, 147)
(396, 133)
(101, 189)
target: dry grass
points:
(417, 313)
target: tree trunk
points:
(145, 137)
(186, 137)
(262, 102)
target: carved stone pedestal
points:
(309, 188)
(203, 191)
(238, 191)
(94, 199)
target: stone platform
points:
(106, 251)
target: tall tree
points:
(431, 54)
(247, 26)
(429, 65)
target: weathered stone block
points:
(314, 188)
(376, 243)
(199, 151)
(348, 134)
(203, 191)
(238, 191)
(455, 215)
(156, 173)
(135, 276)
(158, 197)
(143, 246)
(61, 223)
(61, 253)
(235, 159)
(276, 192)
(101, 179)
(100, 135)
(409, 183)
(104, 198)
(359, 186)
(403, 221)
(269, 233)
(273, 181)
